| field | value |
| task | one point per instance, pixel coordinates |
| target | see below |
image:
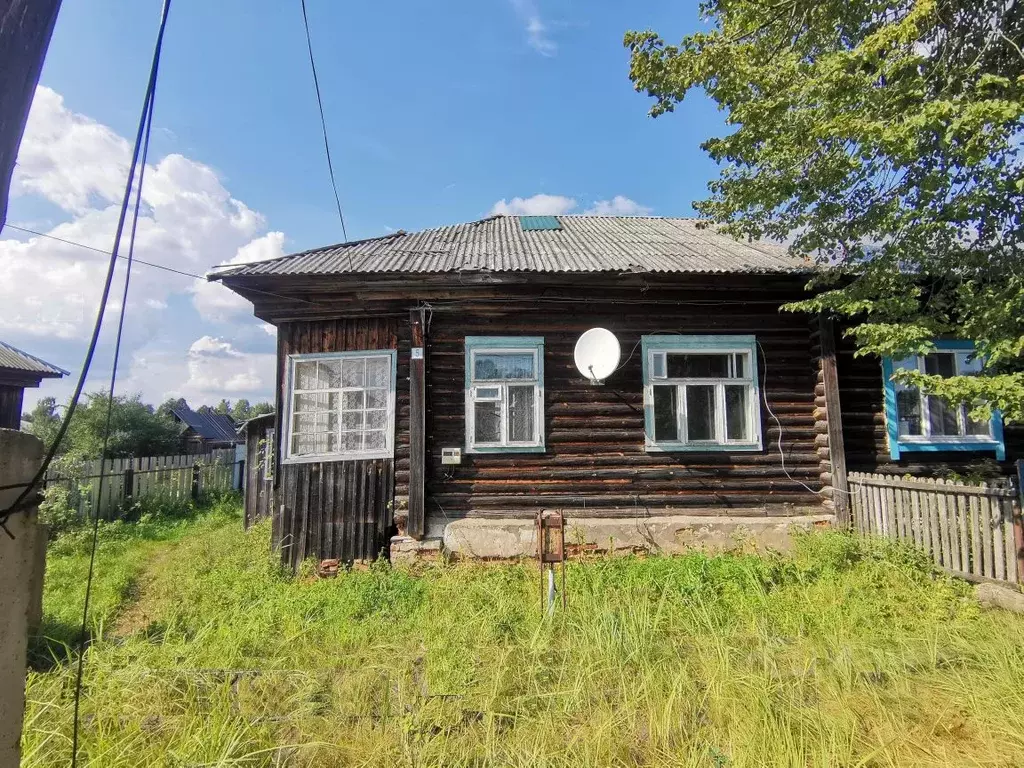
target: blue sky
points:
(436, 112)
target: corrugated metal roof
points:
(500, 244)
(14, 359)
(209, 426)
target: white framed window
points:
(504, 394)
(268, 453)
(917, 421)
(701, 393)
(341, 405)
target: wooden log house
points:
(19, 370)
(432, 373)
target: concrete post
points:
(21, 578)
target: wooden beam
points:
(25, 30)
(834, 415)
(417, 424)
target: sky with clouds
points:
(437, 113)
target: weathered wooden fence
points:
(167, 478)
(972, 530)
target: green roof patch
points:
(539, 223)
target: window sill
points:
(700, 448)
(335, 457)
(484, 449)
(950, 445)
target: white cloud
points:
(558, 205)
(538, 205)
(215, 302)
(212, 368)
(537, 33)
(618, 206)
(189, 221)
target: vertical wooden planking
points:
(952, 512)
(915, 514)
(962, 507)
(975, 525)
(986, 536)
(1006, 505)
(877, 516)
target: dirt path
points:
(140, 612)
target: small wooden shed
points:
(260, 438)
(19, 370)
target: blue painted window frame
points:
(286, 438)
(725, 344)
(476, 344)
(900, 445)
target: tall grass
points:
(844, 653)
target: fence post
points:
(1018, 524)
(197, 472)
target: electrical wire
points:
(145, 129)
(323, 126)
(106, 253)
(23, 501)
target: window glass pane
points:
(352, 371)
(305, 375)
(940, 364)
(520, 414)
(741, 366)
(941, 417)
(351, 401)
(376, 398)
(510, 366)
(309, 403)
(351, 441)
(304, 422)
(907, 364)
(666, 425)
(736, 413)
(375, 441)
(976, 427)
(328, 374)
(376, 419)
(658, 365)
(378, 372)
(302, 445)
(968, 364)
(487, 419)
(488, 393)
(700, 413)
(697, 366)
(352, 420)
(908, 409)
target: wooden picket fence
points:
(167, 478)
(972, 530)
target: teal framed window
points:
(917, 421)
(504, 394)
(701, 393)
(340, 406)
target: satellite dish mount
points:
(597, 354)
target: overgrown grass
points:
(844, 653)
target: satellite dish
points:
(597, 354)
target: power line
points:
(323, 122)
(145, 129)
(105, 253)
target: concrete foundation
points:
(21, 574)
(670, 534)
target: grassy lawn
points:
(841, 654)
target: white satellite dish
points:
(597, 354)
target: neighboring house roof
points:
(255, 421)
(512, 244)
(12, 358)
(209, 426)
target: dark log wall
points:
(11, 397)
(259, 492)
(867, 448)
(343, 509)
(595, 462)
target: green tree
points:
(223, 408)
(243, 410)
(167, 406)
(43, 420)
(136, 429)
(883, 141)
